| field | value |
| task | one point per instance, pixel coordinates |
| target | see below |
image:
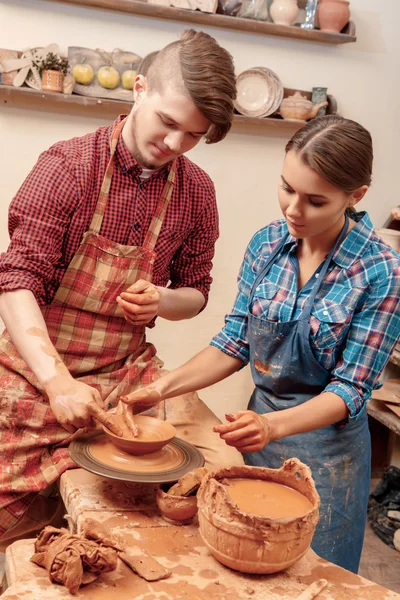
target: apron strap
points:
(306, 312)
(157, 220)
(267, 266)
(98, 215)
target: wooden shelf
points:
(381, 413)
(28, 98)
(143, 9)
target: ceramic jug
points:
(299, 108)
(333, 15)
(284, 12)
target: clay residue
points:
(265, 369)
(47, 346)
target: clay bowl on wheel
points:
(249, 542)
(153, 435)
(176, 509)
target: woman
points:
(316, 315)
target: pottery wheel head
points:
(97, 454)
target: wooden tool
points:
(313, 590)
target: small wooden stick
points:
(313, 590)
(105, 419)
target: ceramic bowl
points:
(259, 92)
(176, 509)
(153, 435)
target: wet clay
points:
(267, 498)
(145, 434)
(169, 457)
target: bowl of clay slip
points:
(153, 435)
(178, 503)
(234, 512)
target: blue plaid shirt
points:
(355, 319)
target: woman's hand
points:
(69, 401)
(247, 431)
(140, 303)
(142, 399)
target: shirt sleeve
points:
(232, 339)
(192, 264)
(374, 331)
(38, 219)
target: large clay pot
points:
(52, 81)
(284, 12)
(250, 543)
(333, 15)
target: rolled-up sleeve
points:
(192, 263)
(38, 220)
(374, 331)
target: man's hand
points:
(69, 401)
(140, 303)
(247, 431)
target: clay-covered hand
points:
(247, 431)
(142, 399)
(140, 303)
(69, 401)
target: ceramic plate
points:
(165, 466)
(259, 92)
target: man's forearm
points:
(322, 410)
(28, 331)
(180, 303)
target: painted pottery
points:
(95, 452)
(153, 435)
(333, 15)
(176, 509)
(284, 12)
(250, 543)
(390, 236)
(299, 108)
(52, 81)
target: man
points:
(107, 232)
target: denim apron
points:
(287, 374)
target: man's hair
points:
(199, 66)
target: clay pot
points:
(176, 509)
(284, 12)
(52, 81)
(299, 108)
(333, 15)
(250, 543)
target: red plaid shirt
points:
(54, 207)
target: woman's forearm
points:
(206, 368)
(25, 324)
(322, 410)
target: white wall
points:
(363, 77)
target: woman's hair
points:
(202, 69)
(339, 149)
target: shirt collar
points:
(356, 242)
(353, 246)
(125, 160)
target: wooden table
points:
(130, 510)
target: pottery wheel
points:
(164, 466)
